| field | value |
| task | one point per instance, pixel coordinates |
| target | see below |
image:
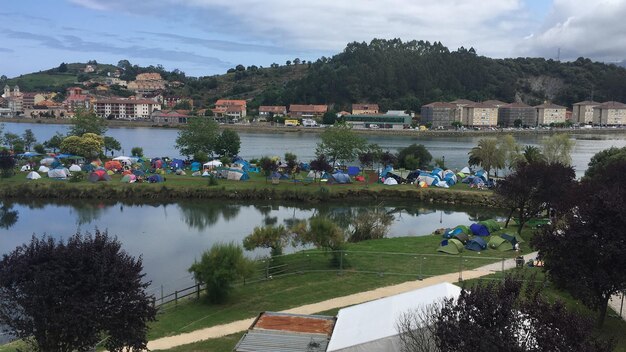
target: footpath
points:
(338, 302)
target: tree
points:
(268, 166)
(369, 155)
(370, 225)
(388, 158)
(227, 143)
(584, 251)
(218, 268)
(79, 290)
(320, 165)
(532, 154)
(87, 122)
(510, 150)
(321, 233)
(39, 148)
(54, 142)
(415, 156)
(329, 118)
(199, 135)
(11, 139)
(111, 144)
(137, 152)
(29, 138)
(487, 155)
(8, 216)
(7, 163)
(600, 160)
(340, 143)
(558, 149)
(62, 67)
(505, 316)
(273, 237)
(292, 162)
(88, 145)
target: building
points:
(439, 114)
(147, 83)
(307, 111)
(548, 113)
(31, 99)
(126, 109)
(517, 113)
(115, 80)
(583, 112)
(77, 100)
(89, 69)
(168, 118)
(362, 109)
(378, 121)
(234, 109)
(496, 103)
(480, 115)
(13, 100)
(372, 326)
(460, 104)
(287, 332)
(610, 113)
(172, 101)
(266, 111)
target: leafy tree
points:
(227, 143)
(329, 118)
(370, 225)
(62, 67)
(532, 154)
(54, 142)
(558, 149)
(292, 162)
(79, 290)
(487, 155)
(369, 155)
(39, 148)
(510, 150)
(137, 152)
(218, 268)
(273, 237)
(29, 138)
(457, 124)
(340, 143)
(415, 156)
(388, 158)
(183, 105)
(320, 165)
(199, 135)
(600, 160)
(201, 157)
(88, 145)
(584, 252)
(10, 139)
(111, 144)
(1, 133)
(268, 166)
(321, 233)
(7, 163)
(87, 122)
(505, 316)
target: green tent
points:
(512, 238)
(465, 229)
(491, 225)
(451, 246)
(500, 244)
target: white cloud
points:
(581, 28)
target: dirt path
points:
(338, 302)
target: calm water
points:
(171, 236)
(160, 142)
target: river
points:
(160, 142)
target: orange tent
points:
(113, 165)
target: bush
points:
(201, 157)
(77, 176)
(370, 225)
(219, 268)
(136, 151)
(212, 181)
(39, 148)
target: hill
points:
(394, 74)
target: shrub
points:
(136, 151)
(213, 181)
(369, 225)
(77, 176)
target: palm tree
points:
(487, 155)
(532, 154)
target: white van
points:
(309, 123)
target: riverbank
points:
(256, 189)
(276, 128)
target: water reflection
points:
(201, 215)
(8, 216)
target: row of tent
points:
(438, 177)
(458, 238)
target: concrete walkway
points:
(338, 302)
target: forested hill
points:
(405, 75)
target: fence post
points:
(421, 277)
(267, 269)
(197, 291)
(461, 267)
(502, 271)
(153, 302)
(340, 262)
(161, 294)
(176, 298)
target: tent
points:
(156, 163)
(500, 244)
(353, 170)
(177, 164)
(315, 174)
(437, 172)
(512, 238)
(195, 166)
(396, 175)
(75, 168)
(450, 233)
(89, 167)
(479, 230)
(138, 173)
(33, 175)
(451, 246)
(47, 161)
(129, 178)
(237, 175)
(155, 179)
(340, 177)
(58, 173)
(390, 181)
(28, 155)
(99, 175)
(197, 173)
(372, 326)
(466, 170)
(25, 168)
(44, 168)
(113, 165)
(181, 172)
(462, 237)
(213, 164)
(491, 225)
(413, 176)
(476, 244)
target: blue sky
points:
(206, 37)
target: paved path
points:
(339, 302)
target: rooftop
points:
(516, 106)
(307, 108)
(587, 102)
(462, 101)
(364, 106)
(549, 106)
(440, 104)
(494, 102)
(612, 105)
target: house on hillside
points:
(439, 114)
(583, 111)
(168, 118)
(266, 111)
(548, 113)
(362, 109)
(233, 109)
(510, 113)
(610, 113)
(125, 109)
(76, 100)
(307, 111)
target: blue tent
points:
(353, 170)
(450, 233)
(339, 177)
(177, 164)
(155, 178)
(387, 170)
(245, 166)
(195, 166)
(476, 244)
(305, 167)
(479, 230)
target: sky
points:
(207, 37)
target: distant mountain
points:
(395, 74)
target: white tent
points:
(390, 181)
(33, 175)
(58, 173)
(47, 161)
(466, 170)
(213, 163)
(25, 168)
(372, 327)
(75, 167)
(43, 168)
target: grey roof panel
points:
(270, 341)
